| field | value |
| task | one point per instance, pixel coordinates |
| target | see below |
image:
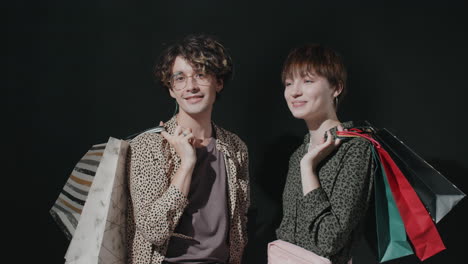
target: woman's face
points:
(310, 96)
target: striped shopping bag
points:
(67, 209)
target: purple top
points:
(206, 216)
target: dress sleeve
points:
(325, 223)
(157, 205)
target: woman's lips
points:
(298, 103)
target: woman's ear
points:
(338, 90)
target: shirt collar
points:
(219, 134)
(347, 125)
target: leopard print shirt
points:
(325, 220)
(155, 206)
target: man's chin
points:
(194, 111)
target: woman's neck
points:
(318, 128)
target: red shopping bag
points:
(419, 226)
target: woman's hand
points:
(313, 157)
(182, 141)
(316, 153)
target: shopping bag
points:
(280, 252)
(67, 208)
(438, 195)
(391, 235)
(92, 212)
(99, 236)
(418, 224)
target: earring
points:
(176, 108)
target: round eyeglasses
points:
(179, 80)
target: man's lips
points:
(194, 98)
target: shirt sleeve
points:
(325, 223)
(157, 205)
(245, 189)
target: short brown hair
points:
(315, 58)
(204, 53)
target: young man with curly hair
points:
(189, 189)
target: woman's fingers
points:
(329, 137)
(337, 142)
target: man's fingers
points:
(166, 135)
(186, 132)
(178, 130)
(189, 136)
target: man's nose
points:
(191, 84)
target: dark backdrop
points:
(81, 71)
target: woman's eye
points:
(200, 75)
(286, 84)
(308, 81)
(179, 78)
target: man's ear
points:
(219, 85)
(171, 92)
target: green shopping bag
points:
(391, 235)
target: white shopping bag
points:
(99, 237)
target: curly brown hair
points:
(204, 53)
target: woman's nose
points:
(295, 90)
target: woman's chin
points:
(298, 115)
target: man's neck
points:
(200, 124)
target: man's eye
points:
(286, 84)
(308, 81)
(179, 78)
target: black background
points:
(81, 71)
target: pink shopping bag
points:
(280, 252)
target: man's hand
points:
(183, 143)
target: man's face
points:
(194, 91)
